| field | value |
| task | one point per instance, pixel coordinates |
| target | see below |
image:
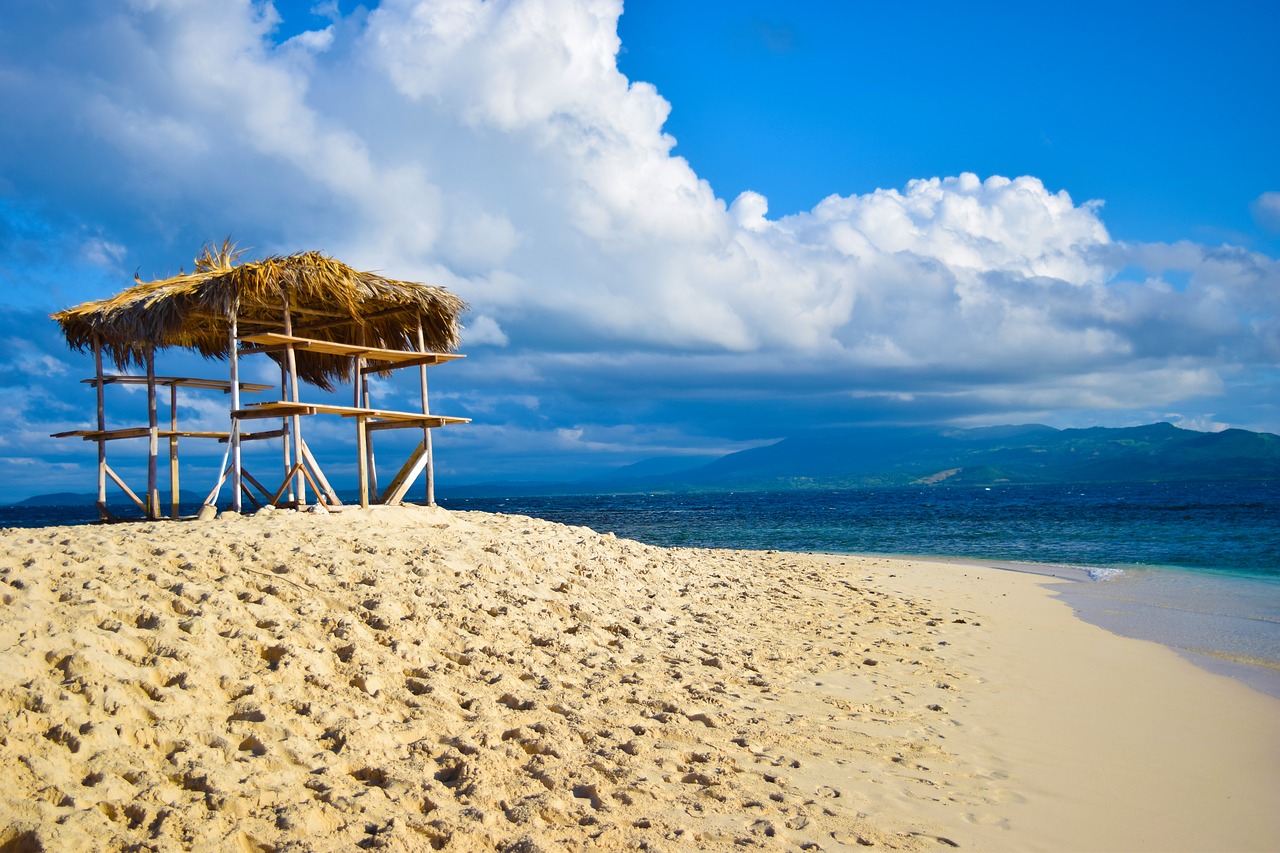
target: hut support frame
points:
(295, 425)
(362, 323)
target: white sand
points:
(409, 679)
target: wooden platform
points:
(179, 382)
(143, 432)
(273, 342)
(383, 418)
(136, 432)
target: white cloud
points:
(495, 148)
(482, 329)
(1199, 423)
(1266, 211)
(102, 253)
(312, 41)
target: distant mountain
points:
(862, 457)
(114, 498)
(1012, 454)
(59, 499)
(879, 456)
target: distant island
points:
(870, 457)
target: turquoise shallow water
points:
(1195, 566)
(1227, 623)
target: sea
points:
(1194, 566)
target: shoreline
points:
(479, 681)
(1218, 652)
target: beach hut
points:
(323, 322)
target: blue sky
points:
(683, 229)
(1164, 110)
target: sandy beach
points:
(411, 679)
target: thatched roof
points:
(328, 301)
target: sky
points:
(683, 229)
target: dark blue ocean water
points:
(1220, 527)
(1195, 566)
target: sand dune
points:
(414, 679)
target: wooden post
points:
(286, 434)
(237, 473)
(429, 468)
(153, 434)
(365, 402)
(362, 458)
(362, 439)
(173, 450)
(103, 512)
(292, 361)
(373, 464)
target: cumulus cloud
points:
(495, 148)
(482, 329)
(1266, 211)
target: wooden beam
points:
(277, 409)
(408, 473)
(142, 432)
(128, 491)
(395, 357)
(224, 469)
(254, 436)
(253, 481)
(283, 409)
(324, 482)
(428, 422)
(293, 472)
(180, 381)
(423, 361)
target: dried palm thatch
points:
(327, 299)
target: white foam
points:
(1101, 574)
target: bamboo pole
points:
(362, 459)
(373, 464)
(173, 450)
(125, 488)
(362, 438)
(366, 402)
(153, 437)
(103, 512)
(286, 440)
(404, 479)
(292, 361)
(314, 466)
(237, 472)
(429, 468)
